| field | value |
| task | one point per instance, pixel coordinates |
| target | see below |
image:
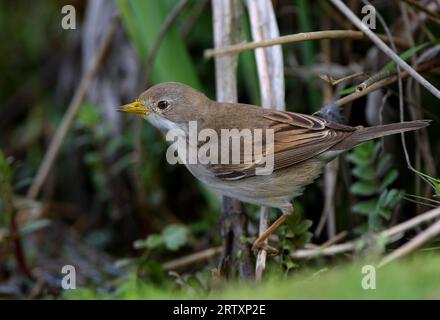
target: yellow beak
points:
(134, 107)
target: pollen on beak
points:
(134, 107)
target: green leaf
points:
(435, 182)
(392, 65)
(409, 53)
(376, 149)
(140, 244)
(382, 199)
(365, 207)
(357, 159)
(386, 213)
(152, 241)
(374, 223)
(307, 48)
(381, 243)
(393, 197)
(287, 246)
(175, 236)
(347, 91)
(365, 149)
(288, 233)
(143, 20)
(247, 66)
(289, 264)
(390, 177)
(121, 263)
(432, 179)
(364, 172)
(364, 188)
(304, 239)
(92, 158)
(239, 254)
(302, 227)
(296, 218)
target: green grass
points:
(412, 278)
(143, 20)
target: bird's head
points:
(168, 104)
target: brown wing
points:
(297, 137)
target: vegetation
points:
(397, 281)
(134, 226)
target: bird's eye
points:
(162, 105)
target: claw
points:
(271, 251)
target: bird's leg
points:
(259, 243)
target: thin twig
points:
(333, 82)
(413, 94)
(318, 252)
(192, 258)
(424, 145)
(328, 248)
(69, 116)
(332, 241)
(271, 78)
(351, 245)
(374, 78)
(399, 82)
(335, 239)
(419, 240)
(411, 223)
(328, 212)
(384, 82)
(421, 203)
(382, 46)
(291, 38)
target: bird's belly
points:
(274, 190)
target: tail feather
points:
(364, 134)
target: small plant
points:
(374, 177)
(293, 236)
(173, 237)
(434, 183)
(93, 131)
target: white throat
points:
(161, 123)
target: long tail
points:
(364, 134)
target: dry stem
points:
(291, 38)
(382, 46)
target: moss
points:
(415, 278)
(412, 278)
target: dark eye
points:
(162, 105)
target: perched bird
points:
(301, 146)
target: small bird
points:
(301, 147)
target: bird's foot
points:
(258, 246)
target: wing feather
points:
(297, 137)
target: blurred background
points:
(114, 208)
